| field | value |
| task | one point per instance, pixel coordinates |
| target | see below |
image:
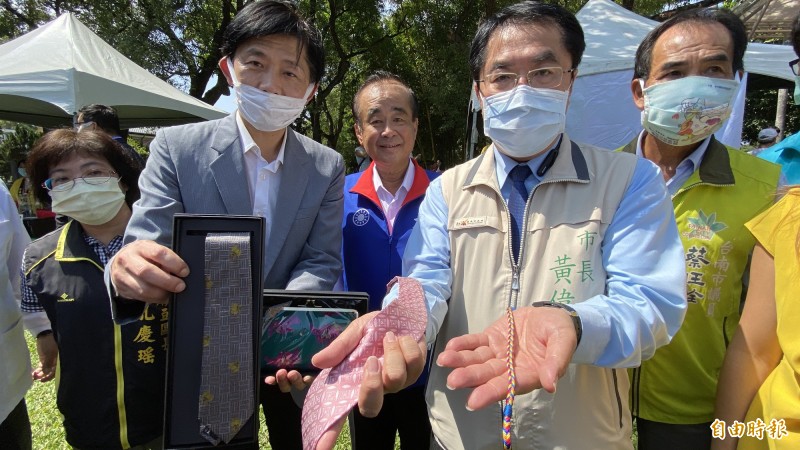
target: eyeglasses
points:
(795, 66)
(78, 126)
(95, 177)
(546, 77)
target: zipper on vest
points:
(516, 268)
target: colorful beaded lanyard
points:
(508, 407)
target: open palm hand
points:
(545, 342)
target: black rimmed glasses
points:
(95, 177)
(795, 66)
(546, 77)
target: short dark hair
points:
(527, 13)
(268, 17)
(104, 116)
(58, 145)
(644, 54)
(382, 76)
(796, 35)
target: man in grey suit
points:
(247, 163)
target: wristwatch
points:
(576, 319)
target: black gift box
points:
(184, 354)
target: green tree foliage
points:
(177, 40)
(16, 145)
(433, 56)
(760, 109)
(353, 31)
(425, 41)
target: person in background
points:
(685, 78)
(249, 163)
(362, 159)
(111, 377)
(577, 244)
(380, 209)
(759, 385)
(22, 192)
(15, 369)
(766, 138)
(105, 119)
(786, 153)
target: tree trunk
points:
(780, 114)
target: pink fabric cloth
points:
(335, 391)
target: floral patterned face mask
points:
(687, 110)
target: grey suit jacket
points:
(200, 169)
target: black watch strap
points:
(576, 319)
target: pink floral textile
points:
(335, 391)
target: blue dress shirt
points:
(685, 168)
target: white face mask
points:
(90, 204)
(687, 110)
(522, 122)
(266, 111)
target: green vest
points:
(678, 385)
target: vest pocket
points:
(557, 217)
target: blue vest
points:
(370, 255)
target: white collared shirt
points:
(390, 204)
(263, 178)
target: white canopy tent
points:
(48, 74)
(601, 110)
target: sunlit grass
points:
(48, 431)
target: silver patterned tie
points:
(226, 388)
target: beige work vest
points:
(567, 217)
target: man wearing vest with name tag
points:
(571, 247)
(685, 78)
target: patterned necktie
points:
(227, 387)
(516, 204)
(335, 391)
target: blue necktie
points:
(516, 204)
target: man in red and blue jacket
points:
(380, 210)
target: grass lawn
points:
(48, 432)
